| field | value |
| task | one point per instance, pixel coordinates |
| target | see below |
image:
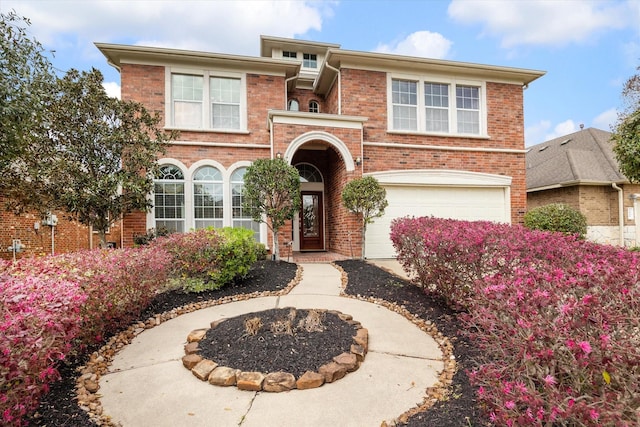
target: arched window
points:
(169, 199)
(308, 173)
(293, 105)
(239, 217)
(314, 107)
(208, 198)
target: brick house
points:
(444, 138)
(581, 171)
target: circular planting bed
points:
(277, 350)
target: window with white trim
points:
(289, 54)
(208, 197)
(314, 107)
(444, 106)
(239, 216)
(168, 191)
(309, 60)
(207, 100)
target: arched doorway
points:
(311, 223)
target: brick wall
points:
(69, 236)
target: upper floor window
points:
(186, 94)
(289, 54)
(207, 101)
(314, 107)
(293, 105)
(448, 107)
(225, 103)
(309, 60)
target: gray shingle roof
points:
(579, 158)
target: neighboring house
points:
(580, 170)
(444, 138)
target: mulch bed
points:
(59, 408)
(230, 345)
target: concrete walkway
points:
(148, 386)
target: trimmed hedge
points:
(557, 217)
(556, 318)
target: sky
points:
(588, 48)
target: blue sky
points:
(588, 48)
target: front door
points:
(311, 221)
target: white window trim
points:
(206, 101)
(189, 220)
(421, 118)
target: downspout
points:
(326, 64)
(620, 212)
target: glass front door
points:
(311, 221)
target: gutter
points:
(332, 68)
(620, 212)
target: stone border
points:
(87, 383)
(441, 389)
(337, 368)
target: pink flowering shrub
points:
(119, 284)
(556, 319)
(39, 319)
(209, 258)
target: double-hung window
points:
(186, 94)
(405, 104)
(443, 106)
(207, 100)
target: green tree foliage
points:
(626, 133)
(98, 160)
(557, 217)
(272, 191)
(367, 198)
(26, 79)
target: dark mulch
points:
(59, 408)
(302, 350)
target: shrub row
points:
(55, 306)
(556, 318)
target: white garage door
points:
(466, 203)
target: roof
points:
(581, 158)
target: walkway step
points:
(318, 279)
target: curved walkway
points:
(147, 384)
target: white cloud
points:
(544, 22)
(421, 43)
(112, 88)
(215, 26)
(606, 119)
(542, 131)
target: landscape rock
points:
(358, 350)
(191, 360)
(332, 371)
(349, 360)
(278, 382)
(203, 369)
(362, 338)
(191, 348)
(309, 380)
(250, 381)
(196, 335)
(223, 376)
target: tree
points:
(100, 157)
(626, 133)
(272, 191)
(367, 198)
(26, 81)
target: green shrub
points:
(208, 259)
(557, 217)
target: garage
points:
(445, 194)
